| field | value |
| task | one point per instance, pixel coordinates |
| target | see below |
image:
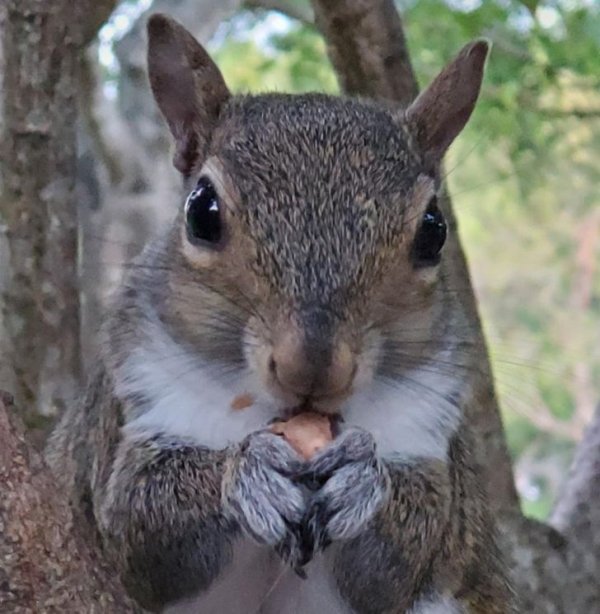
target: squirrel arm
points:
(160, 514)
(433, 531)
(385, 567)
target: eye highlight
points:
(430, 237)
(202, 214)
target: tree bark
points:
(555, 567)
(46, 565)
(41, 44)
(37, 205)
(366, 45)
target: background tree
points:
(41, 43)
(46, 566)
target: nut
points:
(307, 432)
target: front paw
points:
(355, 486)
(260, 494)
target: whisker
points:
(276, 582)
(411, 383)
(478, 143)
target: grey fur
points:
(356, 485)
(261, 494)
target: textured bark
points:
(577, 513)
(41, 44)
(37, 205)
(97, 170)
(555, 567)
(367, 48)
(46, 566)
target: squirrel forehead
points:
(318, 153)
(324, 184)
(284, 137)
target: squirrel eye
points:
(202, 214)
(430, 237)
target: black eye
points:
(203, 215)
(431, 237)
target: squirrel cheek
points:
(257, 354)
(367, 362)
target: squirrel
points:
(304, 269)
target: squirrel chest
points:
(256, 582)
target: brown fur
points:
(438, 538)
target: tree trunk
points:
(556, 568)
(41, 43)
(37, 205)
(46, 563)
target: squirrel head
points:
(311, 237)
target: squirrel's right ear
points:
(441, 111)
(188, 87)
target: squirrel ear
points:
(188, 87)
(441, 111)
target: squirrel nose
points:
(309, 369)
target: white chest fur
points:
(192, 400)
(256, 582)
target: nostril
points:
(290, 374)
(294, 368)
(272, 366)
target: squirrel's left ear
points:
(441, 111)
(188, 87)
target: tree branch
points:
(293, 9)
(557, 567)
(96, 13)
(366, 46)
(577, 513)
(45, 564)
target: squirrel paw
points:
(260, 494)
(355, 486)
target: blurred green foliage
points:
(524, 177)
